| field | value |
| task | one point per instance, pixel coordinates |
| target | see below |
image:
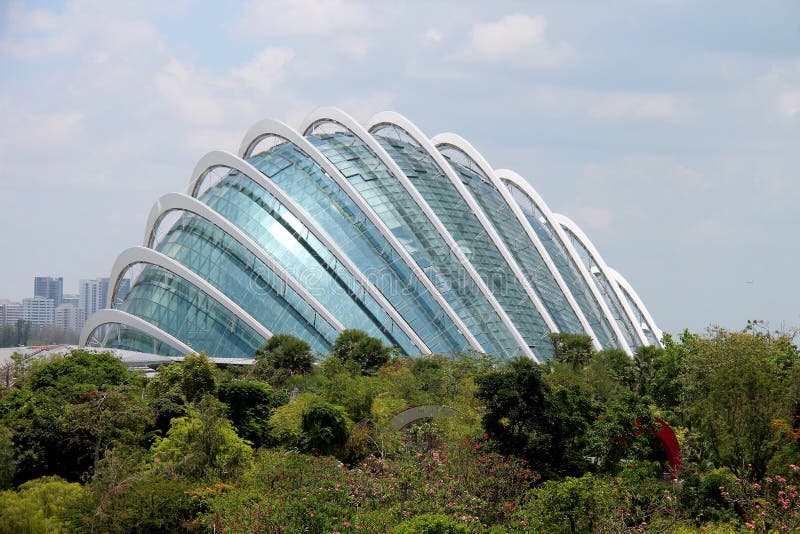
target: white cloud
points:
(789, 103)
(508, 36)
(363, 108)
(266, 70)
(638, 106)
(270, 18)
(81, 29)
(354, 47)
(518, 38)
(594, 218)
(219, 99)
(433, 35)
(560, 103)
(189, 94)
(32, 131)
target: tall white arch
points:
(570, 225)
(136, 255)
(461, 144)
(218, 159)
(181, 202)
(112, 316)
(332, 114)
(523, 185)
(637, 301)
(390, 118)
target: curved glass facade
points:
(418, 261)
(515, 238)
(568, 268)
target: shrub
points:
(430, 524)
(37, 506)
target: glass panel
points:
(177, 307)
(235, 271)
(473, 239)
(603, 284)
(567, 267)
(649, 334)
(393, 204)
(267, 222)
(369, 177)
(516, 239)
(119, 336)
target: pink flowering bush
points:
(771, 505)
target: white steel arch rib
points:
(338, 116)
(391, 118)
(217, 159)
(461, 144)
(569, 224)
(523, 185)
(181, 202)
(136, 255)
(637, 301)
(111, 316)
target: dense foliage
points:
(287, 445)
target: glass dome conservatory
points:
(417, 241)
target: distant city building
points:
(72, 298)
(93, 295)
(68, 317)
(49, 287)
(38, 311)
(10, 312)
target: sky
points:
(668, 130)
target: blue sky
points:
(669, 130)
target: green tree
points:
(37, 506)
(198, 377)
(204, 443)
(571, 349)
(324, 428)
(249, 405)
(51, 436)
(527, 418)
(8, 464)
(357, 346)
(283, 355)
(734, 387)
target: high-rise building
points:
(93, 296)
(418, 241)
(49, 287)
(72, 298)
(38, 311)
(68, 317)
(10, 312)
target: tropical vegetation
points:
(301, 442)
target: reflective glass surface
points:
(271, 225)
(567, 267)
(648, 334)
(456, 215)
(119, 336)
(378, 188)
(236, 272)
(179, 308)
(405, 219)
(332, 209)
(519, 244)
(603, 284)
